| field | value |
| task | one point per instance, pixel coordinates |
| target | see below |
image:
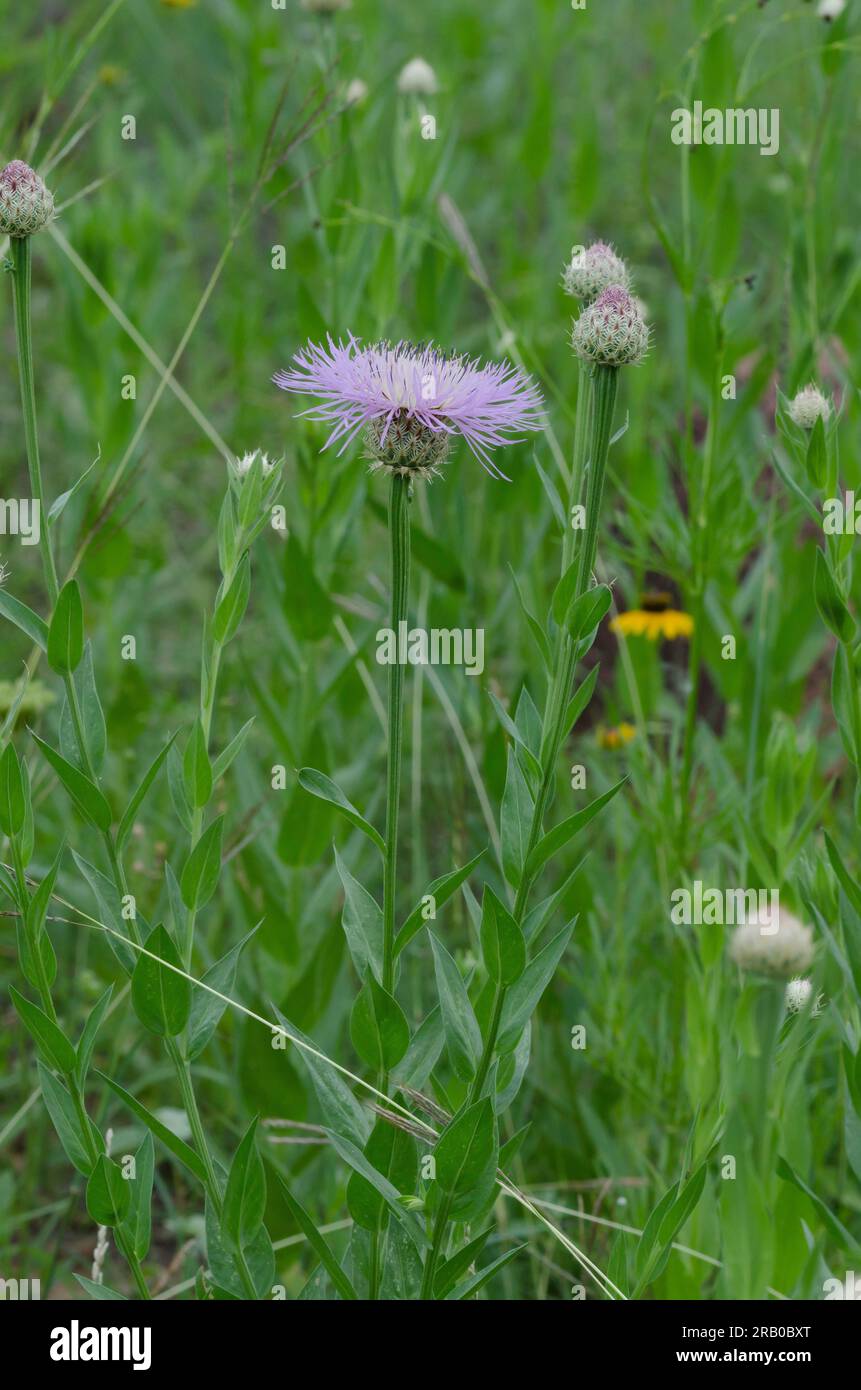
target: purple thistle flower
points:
(411, 401)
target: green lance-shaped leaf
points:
(92, 719)
(226, 757)
(515, 820)
(832, 609)
(502, 944)
(207, 1008)
(816, 460)
(89, 1032)
(161, 997)
(317, 1243)
(440, 890)
(196, 767)
(171, 1141)
(66, 1122)
(230, 607)
(478, 1280)
(25, 619)
(66, 632)
(200, 876)
(85, 794)
(137, 1225)
(342, 1111)
(454, 1268)
(108, 1194)
(362, 920)
(318, 784)
(50, 1039)
(561, 834)
(523, 997)
(378, 1028)
(462, 1033)
(393, 1154)
(13, 807)
(126, 825)
(465, 1157)
(245, 1194)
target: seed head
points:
(418, 79)
(830, 9)
(25, 203)
(779, 954)
(611, 331)
(593, 269)
(809, 406)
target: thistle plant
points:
(157, 960)
(408, 403)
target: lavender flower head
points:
(410, 401)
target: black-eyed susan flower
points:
(653, 620)
(617, 736)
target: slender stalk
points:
(21, 255)
(699, 548)
(399, 536)
(399, 532)
(602, 403)
(437, 1243)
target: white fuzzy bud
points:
(809, 406)
(780, 954)
(418, 79)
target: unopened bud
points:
(611, 331)
(25, 203)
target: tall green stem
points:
(601, 405)
(22, 260)
(399, 533)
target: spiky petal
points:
(410, 390)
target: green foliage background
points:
(553, 128)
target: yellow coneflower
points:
(655, 619)
(617, 736)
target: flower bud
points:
(798, 991)
(611, 331)
(25, 203)
(418, 79)
(593, 269)
(406, 446)
(356, 92)
(830, 9)
(780, 954)
(809, 406)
